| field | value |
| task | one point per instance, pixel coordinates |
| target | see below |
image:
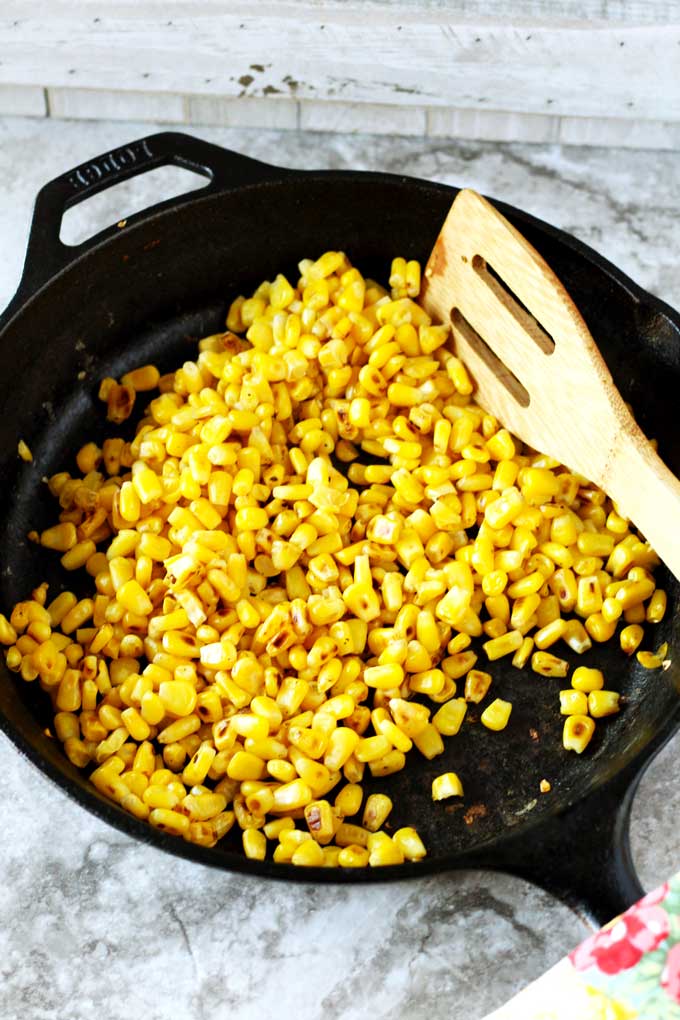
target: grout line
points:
(494, 125)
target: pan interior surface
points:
(150, 293)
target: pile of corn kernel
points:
(273, 613)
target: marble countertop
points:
(91, 923)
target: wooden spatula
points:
(537, 368)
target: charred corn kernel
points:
(477, 685)
(198, 767)
(446, 785)
(577, 733)
(376, 811)
(320, 821)
(411, 717)
(169, 821)
(573, 702)
(601, 703)
(549, 665)
(656, 608)
(506, 644)
(496, 715)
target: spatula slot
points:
(514, 305)
(490, 359)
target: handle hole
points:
(514, 305)
(116, 203)
(490, 358)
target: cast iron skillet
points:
(146, 291)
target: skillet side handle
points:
(47, 255)
(583, 855)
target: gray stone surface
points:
(92, 924)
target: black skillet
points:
(147, 290)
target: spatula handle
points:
(648, 493)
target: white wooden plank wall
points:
(603, 72)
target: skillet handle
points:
(47, 255)
(583, 855)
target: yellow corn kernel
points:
(496, 715)
(135, 724)
(244, 765)
(254, 844)
(410, 844)
(308, 855)
(429, 742)
(446, 785)
(549, 665)
(587, 680)
(577, 733)
(353, 856)
(348, 801)
(290, 796)
(648, 660)
(449, 719)
(342, 744)
(506, 644)
(60, 537)
(393, 761)
(24, 451)
(132, 597)
(177, 730)
(372, 748)
(384, 677)
(573, 702)
(548, 635)
(601, 703)
(656, 608)
(523, 653)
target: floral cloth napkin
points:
(630, 970)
